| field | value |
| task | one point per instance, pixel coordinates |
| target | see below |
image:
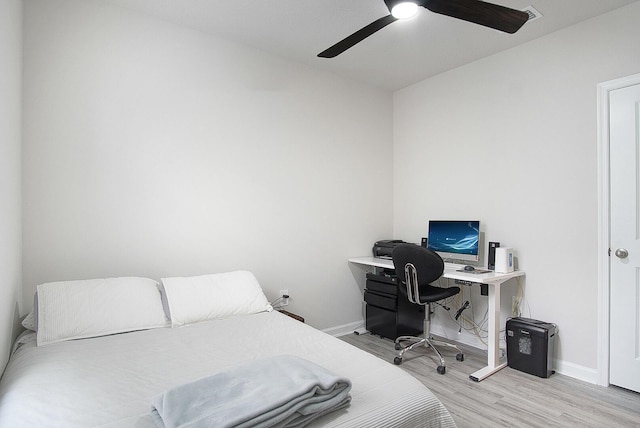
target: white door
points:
(624, 310)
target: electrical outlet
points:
(285, 300)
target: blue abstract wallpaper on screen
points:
(458, 237)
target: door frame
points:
(604, 229)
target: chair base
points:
(428, 343)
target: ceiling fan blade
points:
(479, 12)
(357, 37)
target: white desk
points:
(493, 280)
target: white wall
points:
(511, 140)
(154, 150)
(10, 199)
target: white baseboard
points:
(342, 330)
(565, 368)
(576, 371)
(465, 338)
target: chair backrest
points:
(416, 266)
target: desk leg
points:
(493, 347)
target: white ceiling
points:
(399, 55)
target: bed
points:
(109, 380)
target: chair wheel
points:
(442, 369)
(398, 347)
(397, 361)
(460, 356)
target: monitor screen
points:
(454, 239)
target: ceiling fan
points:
(476, 11)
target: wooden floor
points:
(511, 398)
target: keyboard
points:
(453, 266)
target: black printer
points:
(383, 249)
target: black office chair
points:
(416, 268)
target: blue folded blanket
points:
(281, 391)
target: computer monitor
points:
(454, 239)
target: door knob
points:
(621, 253)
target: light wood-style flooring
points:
(511, 398)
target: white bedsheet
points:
(110, 381)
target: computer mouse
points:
(469, 268)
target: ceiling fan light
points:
(404, 10)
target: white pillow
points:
(206, 297)
(29, 322)
(89, 308)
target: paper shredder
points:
(530, 346)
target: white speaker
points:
(504, 260)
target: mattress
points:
(109, 381)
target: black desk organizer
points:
(388, 312)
